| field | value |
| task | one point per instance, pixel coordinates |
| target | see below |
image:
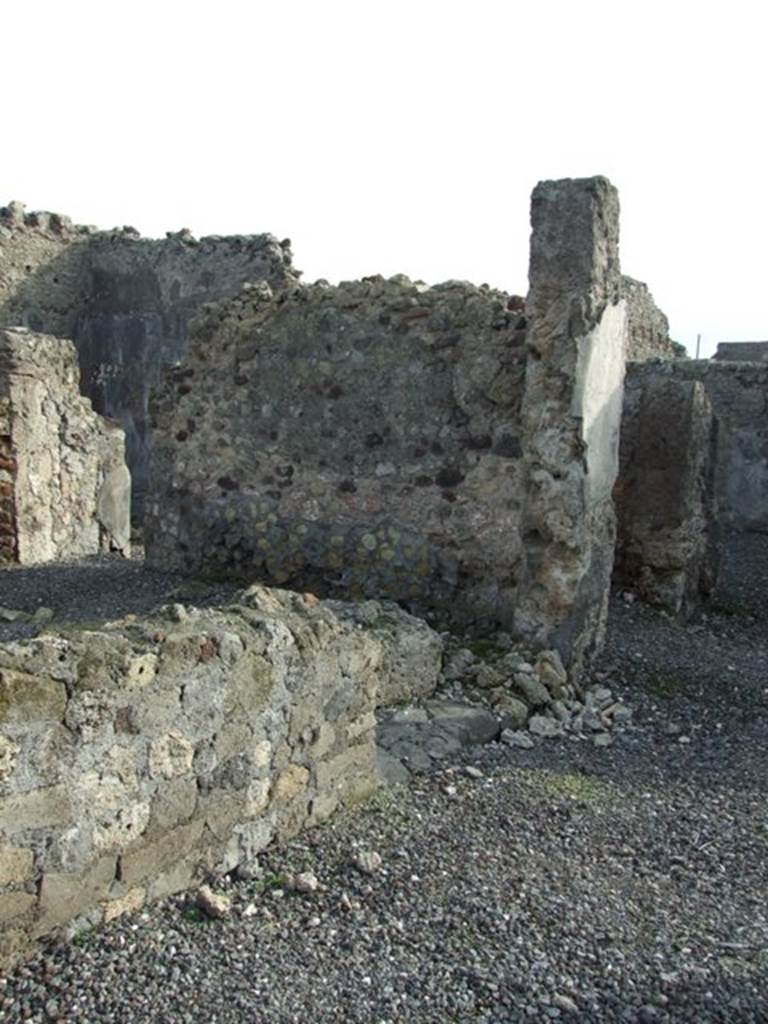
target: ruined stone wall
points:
(354, 440)
(126, 301)
(64, 485)
(137, 758)
(738, 393)
(667, 546)
(647, 327)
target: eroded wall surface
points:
(667, 546)
(64, 485)
(359, 440)
(126, 301)
(571, 415)
(137, 758)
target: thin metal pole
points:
(698, 345)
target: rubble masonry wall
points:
(359, 440)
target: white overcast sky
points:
(387, 136)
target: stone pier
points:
(571, 413)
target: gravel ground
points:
(562, 883)
(95, 589)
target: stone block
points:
(173, 803)
(291, 782)
(14, 905)
(159, 855)
(16, 865)
(64, 896)
(47, 807)
(133, 900)
(27, 700)
(350, 775)
(171, 755)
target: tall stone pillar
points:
(571, 416)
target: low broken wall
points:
(359, 440)
(137, 758)
(64, 486)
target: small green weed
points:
(574, 785)
(485, 649)
(195, 916)
(666, 686)
(273, 880)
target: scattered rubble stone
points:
(214, 904)
(367, 861)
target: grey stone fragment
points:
(12, 615)
(512, 712)
(459, 664)
(471, 724)
(551, 672)
(534, 692)
(368, 862)
(564, 1003)
(413, 754)
(518, 738)
(306, 882)
(541, 725)
(561, 712)
(391, 769)
(407, 716)
(599, 697)
(441, 744)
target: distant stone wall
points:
(137, 758)
(571, 416)
(738, 393)
(742, 351)
(668, 544)
(126, 301)
(64, 485)
(359, 440)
